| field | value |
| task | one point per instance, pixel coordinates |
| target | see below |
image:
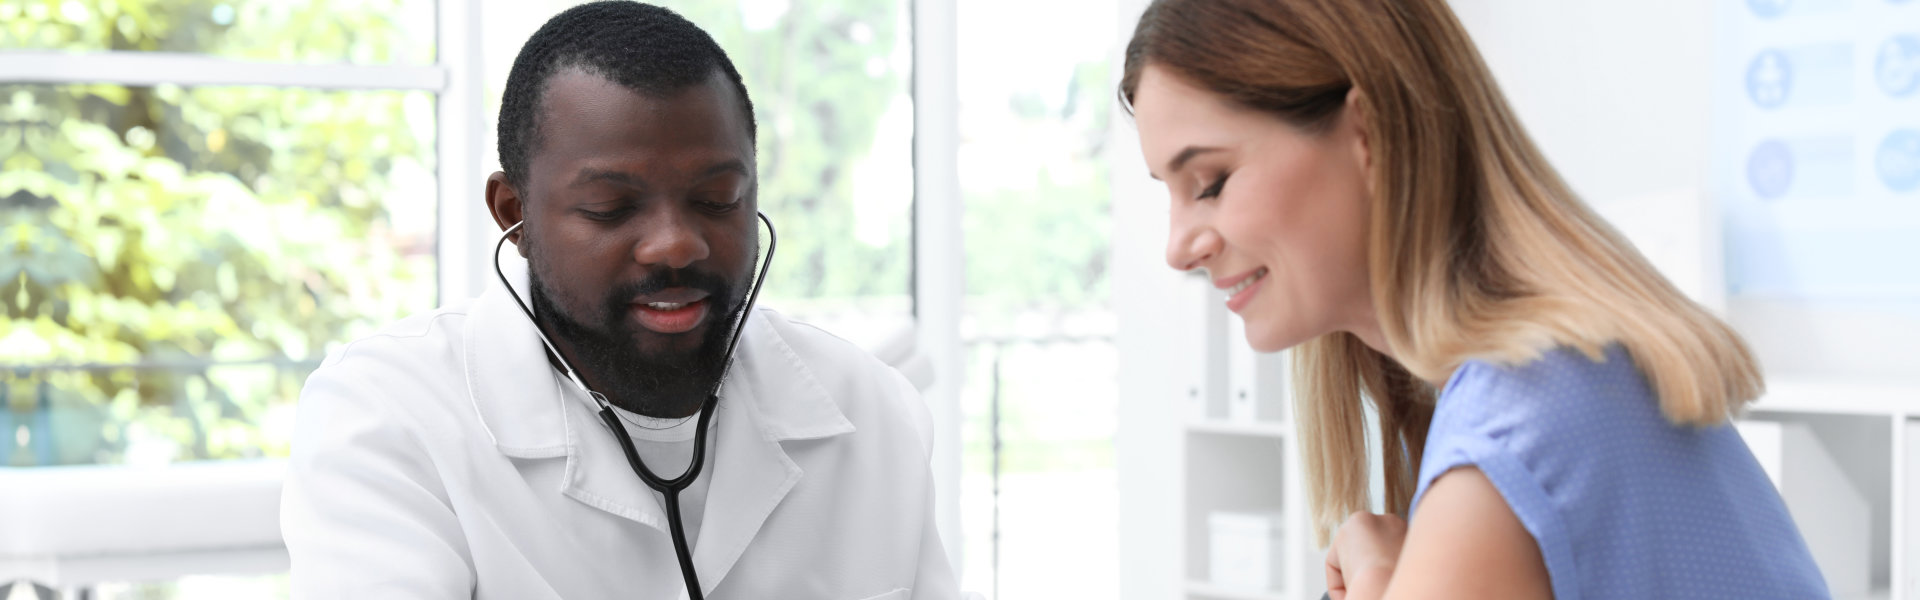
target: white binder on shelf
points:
(1204, 372)
(1256, 381)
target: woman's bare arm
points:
(1466, 543)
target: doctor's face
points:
(1277, 216)
(640, 233)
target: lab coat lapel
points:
(772, 397)
(531, 412)
(598, 474)
(514, 391)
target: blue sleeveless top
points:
(1623, 503)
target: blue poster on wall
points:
(1816, 147)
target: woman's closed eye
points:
(1212, 191)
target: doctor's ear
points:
(507, 206)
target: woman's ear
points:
(1353, 121)
(507, 207)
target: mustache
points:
(717, 287)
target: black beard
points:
(661, 384)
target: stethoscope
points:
(668, 488)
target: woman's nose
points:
(1190, 241)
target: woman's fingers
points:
(1336, 585)
(1367, 545)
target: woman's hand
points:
(1363, 556)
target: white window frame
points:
(939, 249)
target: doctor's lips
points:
(1241, 288)
(672, 310)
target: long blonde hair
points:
(1477, 249)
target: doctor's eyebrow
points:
(591, 175)
(733, 166)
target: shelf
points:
(1257, 429)
(1207, 589)
(1821, 395)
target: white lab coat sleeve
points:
(364, 512)
(936, 580)
(917, 412)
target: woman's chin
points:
(1264, 340)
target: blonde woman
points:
(1555, 414)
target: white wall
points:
(1618, 96)
(1616, 93)
(1145, 297)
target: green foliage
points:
(212, 242)
(1038, 231)
(1042, 246)
(357, 31)
(821, 76)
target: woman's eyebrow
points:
(1186, 154)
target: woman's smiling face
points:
(1276, 215)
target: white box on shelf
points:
(1255, 380)
(1246, 549)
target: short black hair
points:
(645, 48)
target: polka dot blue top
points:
(1623, 503)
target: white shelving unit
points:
(1236, 453)
(1845, 455)
(1239, 466)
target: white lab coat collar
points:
(770, 395)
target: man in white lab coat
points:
(449, 456)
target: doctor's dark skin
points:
(640, 225)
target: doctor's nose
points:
(670, 239)
(1190, 241)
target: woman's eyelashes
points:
(1213, 190)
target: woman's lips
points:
(1241, 293)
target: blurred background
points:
(199, 199)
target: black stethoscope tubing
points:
(669, 488)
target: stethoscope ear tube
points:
(669, 488)
(571, 376)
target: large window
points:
(198, 201)
(177, 258)
(181, 258)
(1038, 494)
